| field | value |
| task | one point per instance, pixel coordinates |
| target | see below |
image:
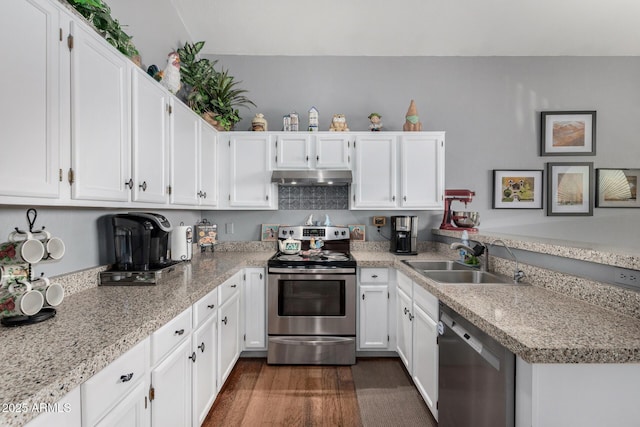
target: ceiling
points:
(414, 27)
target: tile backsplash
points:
(305, 197)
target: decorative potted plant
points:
(212, 94)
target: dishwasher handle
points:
(473, 342)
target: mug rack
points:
(46, 312)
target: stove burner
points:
(321, 256)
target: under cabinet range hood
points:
(312, 177)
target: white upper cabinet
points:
(150, 119)
(374, 181)
(300, 151)
(184, 144)
(30, 107)
(249, 179)
(208, 166)
(399, 171)
(100, 132)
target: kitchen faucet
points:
(477, 250)
(518, 274)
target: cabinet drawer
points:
(229, 288)
(426, 301)
(405, 284)
(107, 387)
(205, 307)
(170, 335)
(374, 275)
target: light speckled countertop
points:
(96, 325)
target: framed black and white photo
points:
(570, 188)
(568, 133)
(617, 188)
(517, 189)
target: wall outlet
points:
(627, 277)
(228, 228)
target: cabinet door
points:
(132, 411)
(404, 334)
(204, 345)
(374, 183)
(67, 413)
(228, 337)
(425, 356)
(171, 385)
(250, 176)
(422, 171)
(208, 166)
(149, 138)
(100, 136)
(30, 106)
(374, 332)
(293, 151)
(255, 301)
(332, 152)
(184, 149)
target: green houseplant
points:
(99, 14)
(213, 94)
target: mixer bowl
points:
(466, 219)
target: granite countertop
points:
(92, 328)
(538, 325)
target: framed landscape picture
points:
(568, 133)
(269, 232)
(570, 188)
(517, 189)
(617, 188)
(357, 232)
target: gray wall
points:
(489, 108)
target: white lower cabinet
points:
(373, 317)
(254, 297)
(204, 344)
(417, 338)
(228, 327)
(171, 388)
(116, 395)
(66, 413)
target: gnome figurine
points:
(412, 123)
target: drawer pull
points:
(405, 310)
(224, 320)
(233, 286)
(193, 357)
(179, 332)
(211, 306)
(201, 347)
(125, 378)
(375, 276)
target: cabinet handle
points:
(193, 357)
(393, 198)
(375, 276)
(204, 194)
(307, 158)
(211, 306)
(179, 332)
(266, 197)
(125, 378)
(405, 310)
(201, 347)
(143, 186)
(362, 297)
(411, 317)
(405, 198)
(129, 184)
(224, 320)
(234, 286)
(260, 276)
(317, 158)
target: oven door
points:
(312, 304)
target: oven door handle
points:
(312, 270)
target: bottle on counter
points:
(465, 241)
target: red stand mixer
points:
(463, 220)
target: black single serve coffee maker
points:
(141, 241)
(404, 235)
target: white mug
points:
(54, 246)
(53, 293)
(13, 273)
(28, 251)
(20, 300)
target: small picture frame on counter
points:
(617, 188)
(357, 232)
(269, 232)
(570, 189)
(517, 189)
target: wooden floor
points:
(257, 394)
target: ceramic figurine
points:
(412, 123)
(259, 123)
(376, 124)
(339, 123)
(313, 119)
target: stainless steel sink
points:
(466, 277)
(436, 265)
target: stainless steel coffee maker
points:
(404, 235)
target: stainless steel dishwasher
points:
(476, 377)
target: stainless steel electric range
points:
(312, 298)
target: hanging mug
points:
(54, 246)
(20, 300)
(53, 293)
(21, 248)
(13, 273)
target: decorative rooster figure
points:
(171, 74)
